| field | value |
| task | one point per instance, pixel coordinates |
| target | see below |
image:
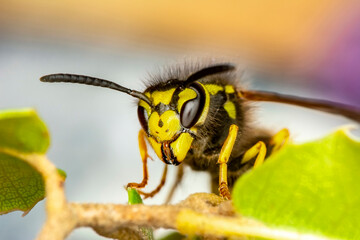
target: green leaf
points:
(21, 186)
(133, 196)
(62, 173)
(23, 131)
(311, 188)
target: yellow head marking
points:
(181, 146)
(206, 106)
(213, 88)
(189, 94)
(184, 96)
(164, 127)
(146, 106)
(229, 89)
(230, 109)
(162, 96)
(156, 146)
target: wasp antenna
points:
(216, 69)
(81, 79)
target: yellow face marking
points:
(184, 96)
(193, 129)
(165, 129)
(156, 146)
(206, 106)
(146, 106)
(188, 94)
(213, 88)
(229, 89)
(230, 109)
(162, 96)
(181, 146)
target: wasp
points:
(201, 117)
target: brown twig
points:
(201, 213)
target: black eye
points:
(192, 109)
(143, 117)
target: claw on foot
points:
(135, 185)
(224, 191)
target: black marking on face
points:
(161, 123)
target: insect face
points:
(172, 119)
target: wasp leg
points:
(158, 188)
(279, 139)
(258, 151)
(144, 156)
(179, 177)
(223, 160)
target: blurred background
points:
(300, 47)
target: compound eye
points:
(191, 110)
(143, 117)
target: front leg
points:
(144, 156)
(158, 188)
